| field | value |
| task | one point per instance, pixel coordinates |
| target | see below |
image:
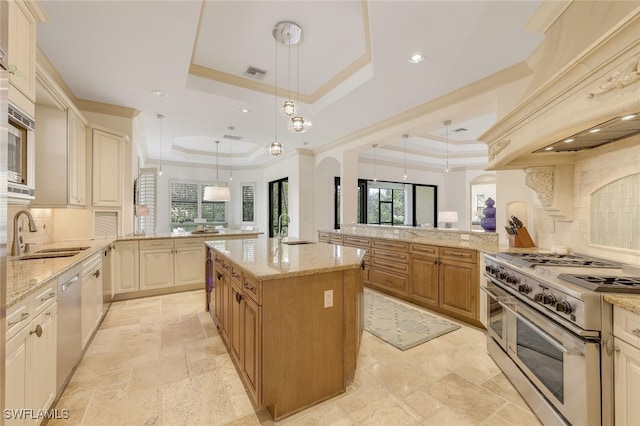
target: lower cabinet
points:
(424, 280)
(626, 330)
(126, 267)
(251, 338)
(189, 255)
(30, 367)
(157, 264)
(91, 296)
(458, 288)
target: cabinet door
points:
(190, 264)
(225, 293)
(424, 279)
(16, 375)
(235, 334)
(156, 268)
(251, 341)
(98, 290)
(77, 160)
(217, 295)
(126, 266)
(22, 49)
(458, 288)
(107, 169)
(627, 384)
(42, 349)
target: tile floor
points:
(160, 361)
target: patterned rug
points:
(400, 324)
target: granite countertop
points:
(220, 234)
(267, 259)
(625, 301)
(25, 277)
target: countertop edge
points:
(628, 302)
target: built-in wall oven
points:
(549, 330)
(21, 137)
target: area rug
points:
(400, 324)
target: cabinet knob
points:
(239, 297)
(96, 273)
(37, 331)
(636, 332)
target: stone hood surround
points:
(600, 82)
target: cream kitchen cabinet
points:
(108, 169)
(189, 257)
(91, 296)
(77, 167)
(626, 331)
(23, 18)
(126, 267)
(157, 264)
(30, 361)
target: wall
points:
(593, 171)
(43, 219)
(511, 188)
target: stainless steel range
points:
(549, 330)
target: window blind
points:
(147, 189)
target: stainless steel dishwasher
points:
(69, 324)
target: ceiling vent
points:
(232, 137)
(255, 73)
(460, 129)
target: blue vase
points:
(488, 222)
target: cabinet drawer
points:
(350, 240)
(252, 288)
(18, 316)
(44, 298)
(189, 242)
(424, 249)
(390, 245)
(394, 256)
(335, 239)
(458, 254)
(397, 283)
(626, 326)
(156, 244)
(390, 264)
(236, 275)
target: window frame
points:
(254, 186)
(192, 226)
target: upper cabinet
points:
(23, 17)
(108, 169)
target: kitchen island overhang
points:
(291, 316)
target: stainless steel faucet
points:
(279, 236)
(16, 249)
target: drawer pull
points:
(157, 244)
(37, 331)
(51, 295)
(457, 254)
(235, 274)
(225, 266)
(23, 317)
(218, 275)
(239, 297)
(249, 287)
(636, 332)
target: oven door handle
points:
(493, 295)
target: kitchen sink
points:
(62, 249)
(296, 243)
(54, 255)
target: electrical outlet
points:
(396, 231)
(328, 298)
(464, 237)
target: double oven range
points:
(550, 331)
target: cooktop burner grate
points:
(552, 259)
(605, 283)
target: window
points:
(188, 209)
(145, 192)
(385, 206)
(248, 202)
(278, 205)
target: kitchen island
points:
(291, 315)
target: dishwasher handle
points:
(69, 283)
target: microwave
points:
(21, 137)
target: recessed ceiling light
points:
(569, 140)
(594, 130)
(628, 117)
(416, 58)
(245, 111)
(549, 148)
(159, 93)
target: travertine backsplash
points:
(43, 219)
(590, 175)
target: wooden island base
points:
(294, 338)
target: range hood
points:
(584, 99)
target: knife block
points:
(521, 238)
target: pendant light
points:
(276, 149)
(160, 117)
(447, 123)
(298, 124)
(287, 33)
(375, 145)
(405, 136)
(231, 128)
(216, 192)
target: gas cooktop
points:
(615, 284)
(552, 259)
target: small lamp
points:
(448, 217)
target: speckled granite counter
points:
(27, 276)
(625, 301)
(266, 259)
(226, 233)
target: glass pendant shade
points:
(216, 193)
(276, 149)
(298, 124)
(288, 108)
